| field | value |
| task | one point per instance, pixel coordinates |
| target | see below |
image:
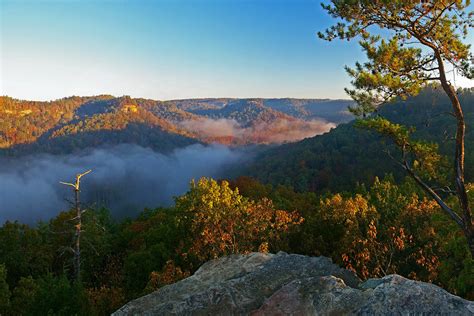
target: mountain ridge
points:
(234, 122)
(349, 155)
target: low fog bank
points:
(275, 132)
(125, 178)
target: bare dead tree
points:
(76, 186)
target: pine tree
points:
(409, 45)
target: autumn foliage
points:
(227, 223)
(383, 229)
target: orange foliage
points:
(223, 222)
(387, 250)
(168, 275)
(105, 300)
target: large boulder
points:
(288, 284)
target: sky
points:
(171, 49)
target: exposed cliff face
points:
(283, 284)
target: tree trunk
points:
(78, 219)
(461, 191)
(77, 242)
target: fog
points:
(284, 130)
(208, 127)
(125, 178)
(275, 132)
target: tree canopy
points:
(409, 45)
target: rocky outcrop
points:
(284, 284)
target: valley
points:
(253, 157)
(74, 123)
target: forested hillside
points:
(107, 199)
(348, 155)
(73, 123)
(382, 226)
(382, 229)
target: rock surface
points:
(284, 284)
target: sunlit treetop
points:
(419, 37)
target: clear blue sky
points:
(167, 49)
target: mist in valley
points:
(124, 178)
(275, 132)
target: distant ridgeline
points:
(73, 123)
(338, 160)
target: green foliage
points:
(456, 269)
(23, 296)
(398, 133)
(385, 228)
(96, 245)
(47, 295)
(423, 36)
(424, 155)
(211, 219)
(397, 66)
(24, 251)
(338, 160)
(228, 223)
(375, 230)
(4, 290)
(150, 241)
(57, 296)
